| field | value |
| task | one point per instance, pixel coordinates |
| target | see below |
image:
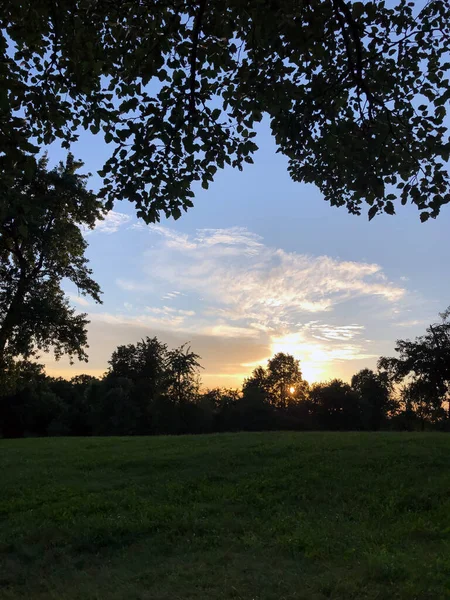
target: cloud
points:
(323, 331)
(162, 321)
(168, 310)
(247, 291)
(236, 274)
(230, 331)
(317, 353)
(233, 241)
(161, 317)
(242, 300)
(112, 222)
(77, 299)
(173, 239)
(134, 286)
(411, 323)
(172, 295)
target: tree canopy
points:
(150, 363)
(424, 363)
(280, 384)
(355, 92)
(41, 245)
(374, 391)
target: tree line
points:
(150, 389)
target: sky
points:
(260, 265)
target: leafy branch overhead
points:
(356, 94)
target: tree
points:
(257, 383)
(41, 244)
(420, 403)
(220, 408)
(183, 367)
(25, 399)
(280, 384)
(284, 379)
(374, 391)
(118, 408)
(355, 93)
(144, 361)
(156, 385)
(425, 362)
(336, 405)
(137, 382)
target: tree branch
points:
(346, 21)
(193, 59)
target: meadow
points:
(251, 516)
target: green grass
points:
(268, 516)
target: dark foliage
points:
(423, 366)
(356, 94)
(41, 246)
(150, 390)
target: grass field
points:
(268, 516)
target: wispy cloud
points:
(232, 269)
(173, 239)
(134, 286)
(229, 287)
(112, 222)
(411, 323)
(230, 331)
(174, 322)
(318, 352)
(171, 295)
(323, 331)
(168, 310)
(77, 299)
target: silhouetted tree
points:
(425, 361)
(145, 360)
(254, 411)
(41, 244)
(120, 409)
(29, 405)
(221, 408)
(164, 385)
(279, 384)
(374, 392)
(178, 89)
(284, 379)
(336, 405)
(257, 382)
(182, 366)
(80, 410)
(140, 371)
(420, 404)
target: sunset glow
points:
(239, 300)
(313, 359)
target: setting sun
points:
(291, 389)
(313, 358)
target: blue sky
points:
(261, 264)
